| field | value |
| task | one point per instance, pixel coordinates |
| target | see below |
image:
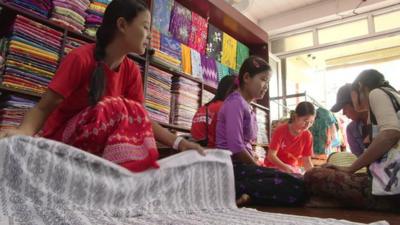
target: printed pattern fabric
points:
(198, 35)
(116, 129)
(229, 45)
(48, 182)
(181, 23)
(214, 43)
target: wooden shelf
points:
(229, 20)
(20, 91)
(210, 88)
(174, 127)
(137, 57)
(174, 71)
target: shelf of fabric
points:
(262, 134)
(72, 43)
(158, 94)
(169, 69)
(210, 88)
(41, 9)
(94, 16)
(33, 55)
(207, 96)
(184, 101)
(45, 21)
(70, 14)
(13, 109)
(20, 91)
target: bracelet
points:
(177, 142)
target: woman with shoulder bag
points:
(380, 189)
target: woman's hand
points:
(289, 169)
(12, 132)
(185, 145)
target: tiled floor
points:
(346, 214)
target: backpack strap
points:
(394, 101)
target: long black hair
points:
(253, 65)
(302, 109)
(127, 9)
(226, 86)
(372, 79)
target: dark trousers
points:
(267, 186)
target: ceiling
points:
(375, 50)
(259, 9)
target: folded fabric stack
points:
(158, 97)
(70, 14)
(71, 43)
(185, 101)
(41, 8)
(166, 59)
(207, 96)
(33, 55)
(94, 16)
(262, 135)
(13, 109)
(172, 48)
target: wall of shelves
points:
(217, 12)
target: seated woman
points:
(205, 120)
(237, 128)
(95, 100)
(293, 142)
(341, 184)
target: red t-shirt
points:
(290, 148)
(72, 81)
(199, 123)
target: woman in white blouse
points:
(342, 184)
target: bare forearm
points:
(379, 146)
(33, 121)
(163, 135)
(244, 157)
(307, 163)
(276, 161)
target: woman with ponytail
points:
(204, 122)
(372, 93)
(237, 130)
(293, 142)
(95, 100)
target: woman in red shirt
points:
(205, 120)
(292, 142)
(95, 100)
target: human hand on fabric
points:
(12, 132)
(185, 145)
(290, 169)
